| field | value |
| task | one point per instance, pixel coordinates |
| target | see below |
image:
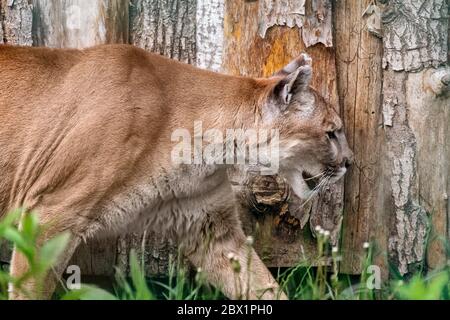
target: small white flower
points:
(326, 233)
(334, 249)
(318, 228)
(199, 270)
(230, 256)
(366, 245)
(250, 240)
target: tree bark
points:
(1, 23)
(79, 23)
(416, 124)
(166, 27)
(209, 39)
(397, 126)
(16, 22)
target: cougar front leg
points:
(229, 262)
(53, 224)
(32, 290)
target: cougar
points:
(87, 142)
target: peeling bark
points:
(415, 34)
(282, 13)
(415, 39)
(429, 120)
(327, 212)
(16, 22)
(312, 18)
(400, 178)
(407, 242)
(318, 26)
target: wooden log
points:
(260, 38)
(358, 56)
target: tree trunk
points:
(359, 70)
(166, 27)
(416, 121)
(397, 125)
(209, 39)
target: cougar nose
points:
(347, 161)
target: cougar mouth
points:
(310, 180)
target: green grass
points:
(302, 282)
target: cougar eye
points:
(331, 134)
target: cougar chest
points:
(163, 200)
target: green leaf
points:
(8, 221)
(436, 286)
(87, 292)
(138, 279)
(30, 226)
(16, 237)
(126, 291)
(420, 288)
(52, 249)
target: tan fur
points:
(86, 142)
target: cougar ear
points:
(292, 83)
(302, 60)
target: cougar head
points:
(313, 149)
